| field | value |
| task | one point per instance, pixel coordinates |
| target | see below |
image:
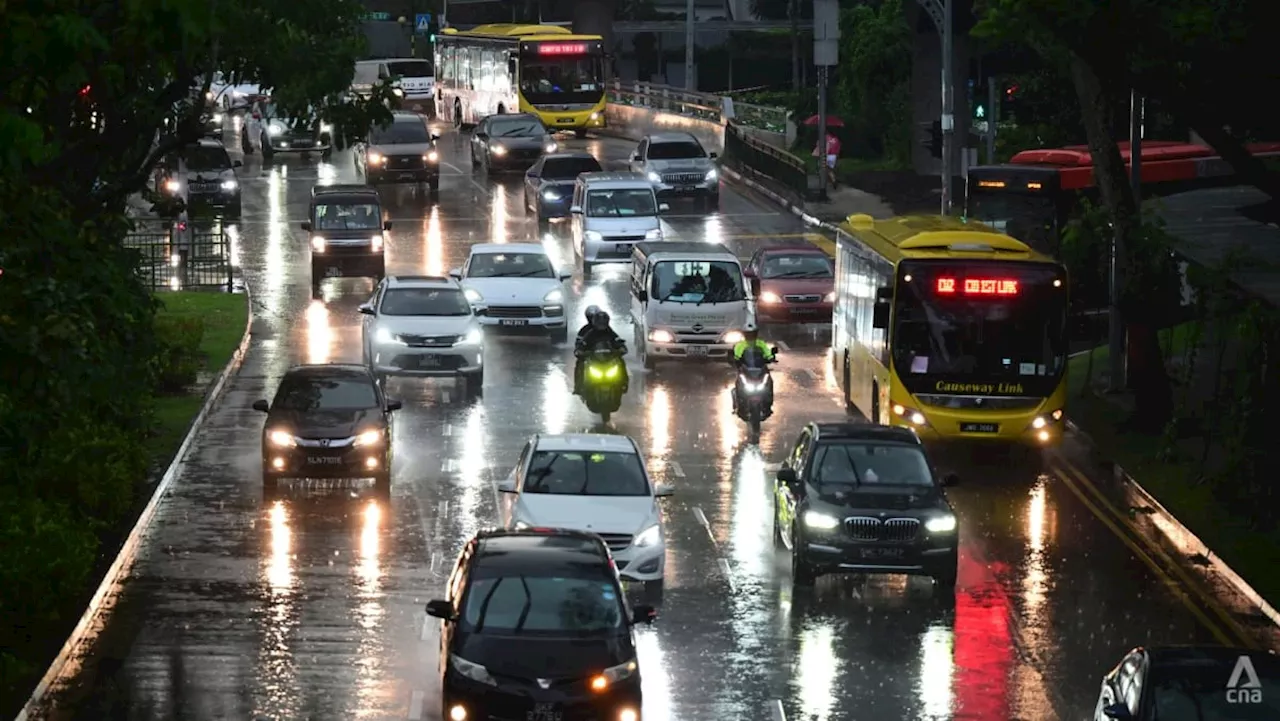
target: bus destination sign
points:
(562, 48)
(977, 286)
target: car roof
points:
(673, 138)
(603, 442)
(613, 178)
(1168, 657)
(209, 143)
(329, 370)
(805, 247)
(404, 116)
(661, 249)
(571, 156)
(518, 550)
(500, 248)
(864, 432)
(347, 188)
(518, 116)
(421, 281)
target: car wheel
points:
(945, 584)
(270, 485)
(473, 386)
(560, 335)
(653, 592)
(543, 223)
(777, 530)
(580, 133)
(382, 484)
(434, 185)
(267, 152)
(235, 212)
(802, 574)
(245, 146)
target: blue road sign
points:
(423, 24)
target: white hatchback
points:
(597, 483)
(516, 286)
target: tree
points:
(873, 91)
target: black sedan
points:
(1192, 683)
(327, 421)
(510, 142)
(548, 186)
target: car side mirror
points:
(880, 312)
(434, 137)
(507, 486)
(755, 286)
(642, 296)
(565, 275)
(636, 158)
(456, 274)
(1117, 711)
(386, 225)
(532, 174)
(440, 609)
(394, 406)
(950, 479)
(644, 614)
(305, 225)
(482, 135)
(261, 406)
(575, 209)
(663, 207)
(365, 309)
(237, 163)
(788, 476)
(713, 156)
(662, 490)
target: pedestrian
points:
(832, 154)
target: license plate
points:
(513, 321)
(623, 248)
(564, 121)
(406, 176)
(979, 427)
(544, 712)
(428, 361)
(302, 143)
(324, 460)
(804, 311)
(880, 552)
(333, 271)
(697, 350)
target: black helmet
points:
(592, 312)
(600, 320)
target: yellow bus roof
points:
(516, 31)
(937, 236)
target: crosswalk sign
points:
(423, 24)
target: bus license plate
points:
(979, 427)
(564, 121)
(697, 350)
(513, 321)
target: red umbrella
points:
(833, 121)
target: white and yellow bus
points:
(950, 328)
(541, 69)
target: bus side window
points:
(880, 314)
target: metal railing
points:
(753, 157)
(705, 106)
(180, 256)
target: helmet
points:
(592, 312)
(600, 320)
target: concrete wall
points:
(631, 122)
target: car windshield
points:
(569, 168)
(424, 301)
(300, 393)
(410, 69)
(1029, 218)
(1202, 692)
(510, 265)
(203, 158)
(681, 150)
(400, 133)
(565, 473)
(516, 127)
(684, 281)
(348, 216)
(533, 604)
(965, 323)
(849, 465)
(621, 203)
(798, 265)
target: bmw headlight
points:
(820, 521)
(326, 128)
(368, 438)
(282, 439)
(653, 234)
(941, 524)
(275, 129)
(230, 185)
(473, 671)
(555, 296)
(712, 175)
(550, 195)
(654, 177)
(650, 536)
(475, 336)
(593, 235)
(385, 337)
(473, 295)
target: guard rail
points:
(704, 106)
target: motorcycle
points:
(754, 387)
(604, 380)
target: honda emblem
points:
(324, 442)
(544, 683)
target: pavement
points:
(311, 606)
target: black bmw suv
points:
(327, 421)
(536, 627)
(347, 234)
(859, 498)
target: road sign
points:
(423, 24)
(826, 32)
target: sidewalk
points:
(841, 203)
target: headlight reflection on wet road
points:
(498, 216)
(433, 245)
(816, 668)
(319, 333)
(277, 689)
(936, 668)
(372, 681)
(659, 427)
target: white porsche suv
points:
(422, 325)
(515, 286)
(592, 482)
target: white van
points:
(688, 301)
(414, 84)
(610, 213)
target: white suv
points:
(421, 325)
(597, 483)
(515, 286)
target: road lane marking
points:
(782, 344)
(1171, 564)
(1177, 589)
(775, 709)
(442, 510)
(702, 518)
(676, 469)
(415, 705)
(445, 396)
(470, 177)
(448, 429)
(728, 573)
(449, 466)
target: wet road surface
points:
(311, 606)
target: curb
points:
(129, 549)
(1181, 538)
(786, 204)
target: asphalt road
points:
(311, 607)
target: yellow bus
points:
(950, 328)
(507, 68)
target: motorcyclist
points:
(595, 334)
(751, 339)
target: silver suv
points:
(679, 167)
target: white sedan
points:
(516, 286)
(597, 483)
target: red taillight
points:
(84, 92)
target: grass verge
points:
(1177, 478)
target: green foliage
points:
(874, 91)
(177, 359)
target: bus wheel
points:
(848, 404)
(457, 116)
(875, 403)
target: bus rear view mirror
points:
(880, 312)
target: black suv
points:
(327, 421)
(346, 229)
(403, 151)
(207, 174)
(536, 626)
(858, 498)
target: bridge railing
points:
(752, 157)
(705, 106)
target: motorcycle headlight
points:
(475, 336)
(497, 149)
(769, 298)
(230, 185)
(593, 235)
(941, 524)
(282, 439)
(317, 244)
(754, 387)
(649, 536)
(829, 297)
(550, 195)
(733, 336)
(473, 295)
(820, 521)
(712, 175)
(368, 438)
(385, 337)
(473, 671)
(552, 147)
(553, 296)
(275, 129)
(653, 234)
(432, 157)
(911, 415)
(172, 186)
(326, 128)
(654, 177)
(375, 243)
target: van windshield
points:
(698, 282)
(624, 203)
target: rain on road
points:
(311, 606)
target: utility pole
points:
(826, 54)
(941, 12)
(690, 82)
(1117, 351)
(993, 115)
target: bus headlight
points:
(1044, 421)
(733, 336)
(911, 415)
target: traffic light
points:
(931, 137)
(1008, 101)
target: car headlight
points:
(326, 128)
(230, 185)
(473, 295)
(282, 439)
(829, 297)
(497, 149)
(654, 177)
(769, 298)
(621, 672)
(368, 438)
(820, 521)
(432, 157)
(385, 337)
(550, 195)
(376, 158)
(475, 336)
(941, 524)
(650, 536)
(552, 147)
(317, 244)
(661, 336)
(375, 243)
(712, 175)
(553, 296)
(595, 116)
(911, 415)
(399, 93)
(473, 671)
(733, 336)
(172, 186)
(653, 234)
(218, 118)
(275, 129)
(592, 235)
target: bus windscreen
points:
(980, 328)
(1027, 217)
(561, 73)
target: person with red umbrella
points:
(832, 149)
